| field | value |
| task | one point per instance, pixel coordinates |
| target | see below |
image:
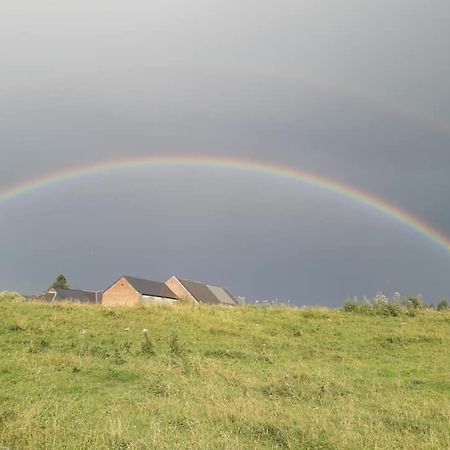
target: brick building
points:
(201, 292)
(127, 291)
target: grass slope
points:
(84, 377)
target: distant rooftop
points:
(61, 294)
(151, 288)
(206, 293)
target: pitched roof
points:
(75, 294)
(223, 295)
(206, 293)
(152, 288)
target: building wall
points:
(178, 289)
(153, 299)
(121, 293)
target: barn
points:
(128, 291)
(201, 292)
(54, 295)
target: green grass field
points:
(86, 377)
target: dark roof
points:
(224, 295)
(205, 293)
(74, 294)
(152, 288)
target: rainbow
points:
(271, 169)
(425, 119)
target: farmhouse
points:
(54, 295)
(127, 291)
(201, 292)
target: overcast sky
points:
(356, 90)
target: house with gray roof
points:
(54, 295)
(127, 291)
(201, 292)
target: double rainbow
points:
(352, 193)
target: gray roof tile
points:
(151, 288)
(75, 294)
(204, 293)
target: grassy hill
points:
(86, 377)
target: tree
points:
(60, 282)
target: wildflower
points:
(380, 299)
(127, 329)
(145, 331)
(83, 332)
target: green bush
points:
(6, 296)
(378, 309)
(443, 305)
(387, 310)
(176, 347)
(147, 347)
(415, 303)
(350, 306)
(412, 312)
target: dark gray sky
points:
(355, 90)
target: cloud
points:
(357, 91)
